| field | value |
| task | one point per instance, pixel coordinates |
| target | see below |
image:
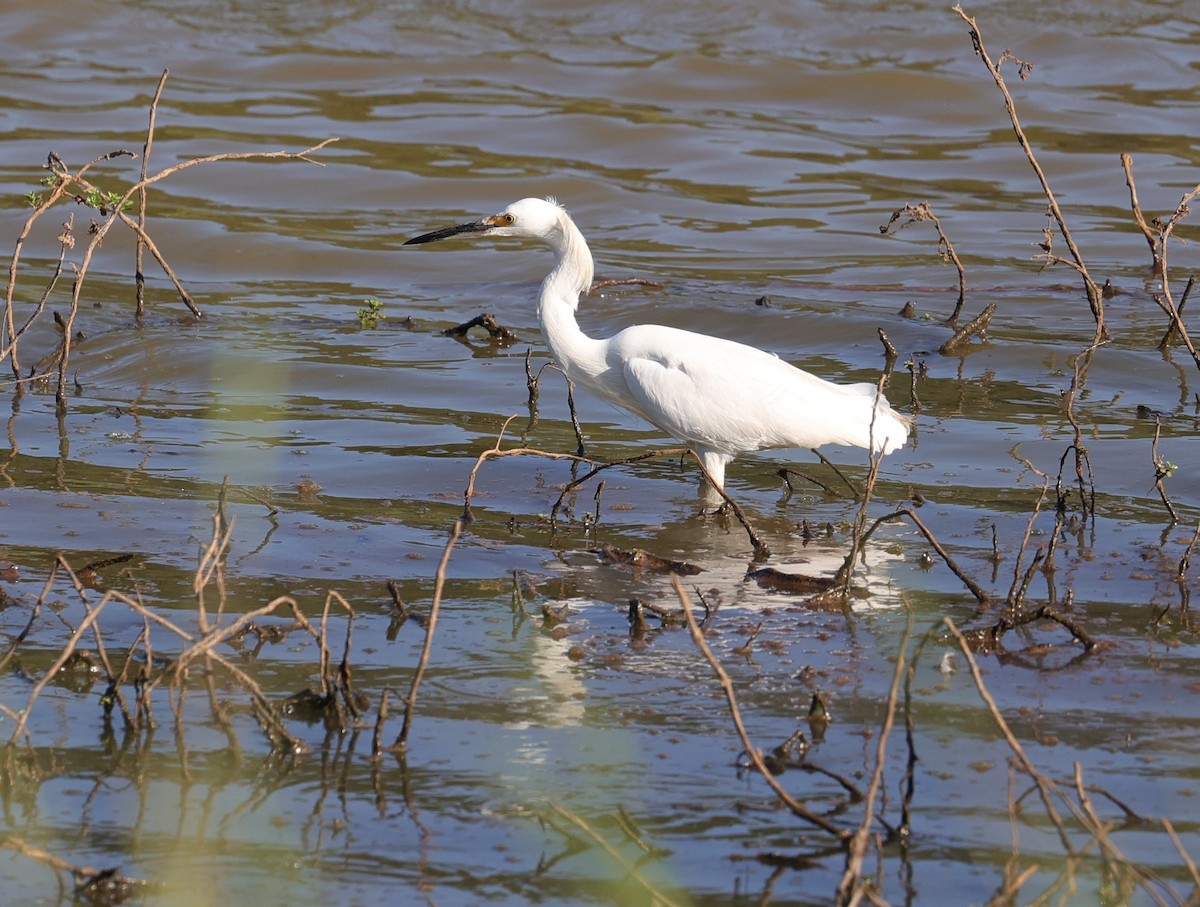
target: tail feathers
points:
(889, 431)
(885, 430)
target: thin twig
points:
(923, 212)
(410, 701)
(1183, 854)
(1094, 296)
(761, 551)
(857, 538)
(1162, 469)
(496, 451)
(138, 275)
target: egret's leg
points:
(714, 462)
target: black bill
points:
(478, 226)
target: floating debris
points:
(644, 560)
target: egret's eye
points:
(508, 219)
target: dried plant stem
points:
(139, 274)
(1173, 331)
(760, 548)
(380, 719)
(752, 753)
(11, 334)
(1048, 791)
(1158, 242)
(67, 178)
(1162, 469)
(580, 447)
(1013, 598)
(1012, 886)
(212, 561)
(66, 241)
(1185, 562)
(344, 666)
(1183, 854)
(264, 711)
(144, 240)
(1136, 207)
(857, 536)
(1086, 484)
(1094, 295)
(410, 701)
(855, 491)
(761, 551)
(235, 629)
(976, 590)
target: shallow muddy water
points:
(743, 159)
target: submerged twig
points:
(580, 824)
(752, 753)
(857, 847)
(977, 326)
(1046, 788)
(626, 282)
(847, 565)
(497, 332)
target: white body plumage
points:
(719, 397)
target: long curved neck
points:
(578, 355)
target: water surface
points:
(730, 155)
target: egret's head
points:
(534, 218)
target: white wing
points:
(732, 398)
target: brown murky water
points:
(731, 154)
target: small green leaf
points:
(371, 314)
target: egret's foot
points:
(712, 503)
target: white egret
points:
(719, 397)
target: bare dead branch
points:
(924, 213)
(1094, 295)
